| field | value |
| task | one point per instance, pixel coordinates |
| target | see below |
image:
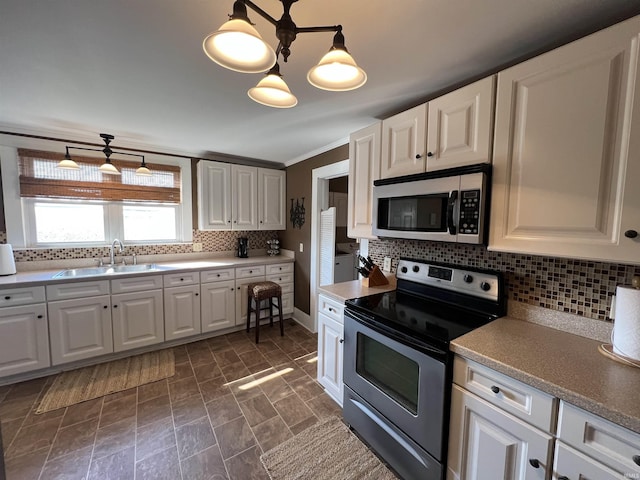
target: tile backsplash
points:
(580, 287)
(211, 242)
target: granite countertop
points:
(41, 277)
(564, 365)
(355, 289)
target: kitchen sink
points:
(105, 270)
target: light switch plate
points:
(301, 247)
(386, 264)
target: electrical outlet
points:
(197, 247)
(386, 264)
(301, 247)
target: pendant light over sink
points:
(238, 46)
(107, 167)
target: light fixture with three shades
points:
(238, 46)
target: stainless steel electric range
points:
(397, 362)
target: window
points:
(85, 207)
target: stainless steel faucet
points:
(112, 257)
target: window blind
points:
(41, 177)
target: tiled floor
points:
(229, 401)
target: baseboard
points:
(303, 319)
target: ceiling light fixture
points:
(238, 46)
(107, 167)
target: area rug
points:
(325, 451)
(86, 383)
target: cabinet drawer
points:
(611, 444)
(280, 268)
(247, 272)
(517, 398)
(281, 278)
(224, 274)
(187, 278)
(331, 308)
(136, 284)
(287, 303)
(12, 297)
(569, 463)
(63, 291)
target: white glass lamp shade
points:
(272, 91)
(143, 171)
(109, 169)
(239, 47)
(68, 164)
(337, 71)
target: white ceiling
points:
(136, 68)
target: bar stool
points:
(260, 291)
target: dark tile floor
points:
(229, 401)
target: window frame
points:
(19, 214)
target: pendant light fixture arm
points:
(257, 9)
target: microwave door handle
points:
(453, 197)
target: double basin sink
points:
(106, 270)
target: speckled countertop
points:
(562, 364)
(355, 289)
(41, 277)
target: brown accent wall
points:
(298, 186)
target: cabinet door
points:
(272, 185)
(241, 298)
(403, 143)
(214, 195)
(330, 341)
(567, 139)
(488, 443)
(181, 311)
(218, 305)
(244, 199)
(24, 339)
(460, 126)
(364, 168)
(138, 319)
(80, 328)
(571, 464)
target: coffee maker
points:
(243, 247)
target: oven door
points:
(407, 386)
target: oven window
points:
(393, 373)
(421, 213)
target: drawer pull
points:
(636, 459)
(496, 390)
(250, 271)
(39, 316)
(115, 306)
(105, 306)
(534, 462)
(342, 340)
(197, 294)
(7, 297)
(182, 279)
(563, 477)
(331, 310)
(218, 275)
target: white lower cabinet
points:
(571, 464)
(181, 311)
(330, 346)
(80, 328)
(487, 443)
(24, 339)
(137, 319)
(218, 305)
(245, 276)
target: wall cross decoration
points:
(296, 214)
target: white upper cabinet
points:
(460, 126)
(272, 190)
(237, 197)
(364, 168)
(244, 199)
(403, 143)
(214, 196)
(450, 131)
(567, 151)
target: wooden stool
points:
(260, 291)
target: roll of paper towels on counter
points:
(626, 329)
(7, 262)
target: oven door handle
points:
(451, 203)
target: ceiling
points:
(136, 68)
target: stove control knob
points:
(416, 268)
(467, 278)
(403, 269)
(486, 286)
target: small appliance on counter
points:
(273, 247)
(243, 247)
(7, 262)
(625, 338)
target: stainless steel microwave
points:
(447, 205)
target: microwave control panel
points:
(469, 211)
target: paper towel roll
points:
(7, 262)
(626, 330)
